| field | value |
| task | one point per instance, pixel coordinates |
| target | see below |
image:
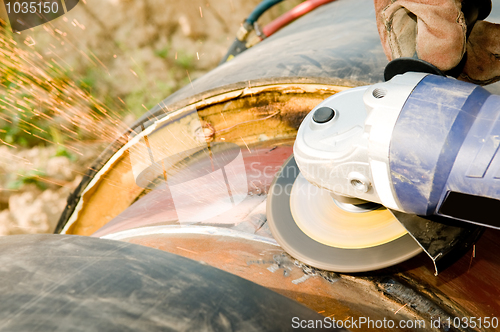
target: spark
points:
(150, 151)
(4, 119)
(52, 181)
(28, 42)
(238, 124)
(164, 171)
(201, 13)
(36, 95)
(223, 117)
(95, 57)
(43, 139)
(193, 252)
(472, 256)
(30, 124)
(3, 189)
(3, 142)
(88, 58)
(400, 308)
(77, 24)
(71, 131)
(246, 144)
(187, 72)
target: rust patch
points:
(246, 118)
(115, 191)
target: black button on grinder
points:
(323, 115)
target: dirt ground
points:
(127, 53)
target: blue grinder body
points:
(444, 156)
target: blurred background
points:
(70, 87)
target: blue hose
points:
(239, 44)
(261, 9)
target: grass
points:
(43, 102)
(163, 53)
(25, 178)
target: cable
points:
(260, 9)
(240, 42)
(292, 15)
(284, 20)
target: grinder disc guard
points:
(389, 245)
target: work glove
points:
(449, 34)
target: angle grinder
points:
(381, 173)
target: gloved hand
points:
(436, 31)
(483, 54)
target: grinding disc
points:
(339, 225)
(364, 255)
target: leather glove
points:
(483, 54)
(436, 31)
